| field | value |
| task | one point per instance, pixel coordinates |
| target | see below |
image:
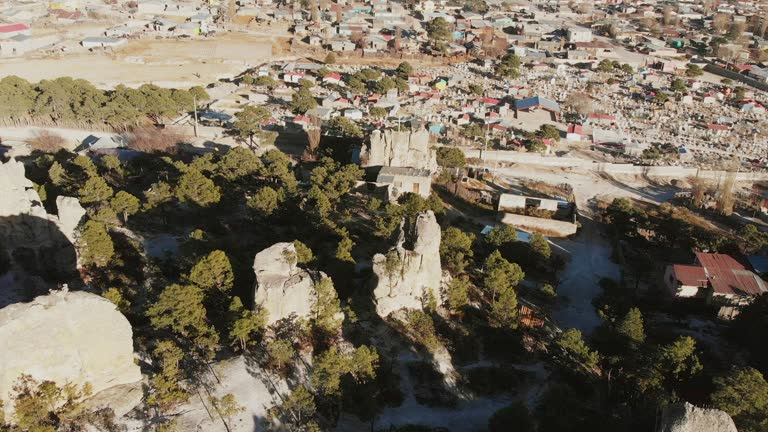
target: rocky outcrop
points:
(70, 215)
(40, 243)
(282, 288)
(400, 149)
(405, 278)
(16, 193)
(66, 337)
(685, 417)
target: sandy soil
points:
(171, 63)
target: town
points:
(417, 215)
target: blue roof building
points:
(532, 103)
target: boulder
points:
(16, 193)
(41, 244)
(66, 337)
(404, 278)
(400, 149)
(282, 288)
(685, 417)
(70, 215)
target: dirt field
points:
(171, 63)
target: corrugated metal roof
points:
(536, 102)
(690, 275)
(727, 276)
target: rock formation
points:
(400, 149)
(70, 214)
(403, 278)
(66, 337)
(282, 288)
(685, 417)
(43, 242)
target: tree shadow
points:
(35, 257)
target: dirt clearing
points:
(170, 63)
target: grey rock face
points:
(685, 417)
(405, 278)
(282, 288)
(39, 242)
(400, 149)
(66, 337)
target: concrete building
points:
(509, 202)
(404, 179)
(579, 35)
(102, 42)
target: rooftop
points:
(728, 276)
(403, 171)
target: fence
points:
(717, 70)
(606, 167)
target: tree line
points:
(76, 102)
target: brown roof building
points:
(717, 278)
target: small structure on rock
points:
(69, 338)
(407, 276)
(684, 417)
(282, 288)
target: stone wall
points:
(549, 227)
(609, 168)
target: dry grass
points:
(151, 139)
(47, 141)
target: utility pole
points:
(194, 99)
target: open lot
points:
(169, 63)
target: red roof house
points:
(715, 277)
(10, 30)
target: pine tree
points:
(95, 245)
(95, 190)
(631, 326)
(196, 188)
(213, 272)
(125, 204)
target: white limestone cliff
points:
(400, 149)
(282, 288)
(685, 417)
(405, 278)
(66, 337)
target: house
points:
(533, 103)
(579, 35)
(512, 202)
(376, 42)
(15, 46)
(341, 45)
(405, 179)
(578, 55)
(293, 77)
(353, 114)
(8, 31)
(102, 42)
(92, 143)
(332, 78)
(752, 106)
(717, 278)
(574, 132)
